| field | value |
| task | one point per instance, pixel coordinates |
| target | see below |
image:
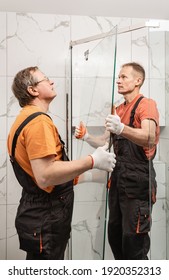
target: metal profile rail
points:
(114, 31)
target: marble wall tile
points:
(3, 108)
(164, 137)
(123, 50)
(12, 249)
(3, 232)
(92, 100)
(57, 109)
(157, 156)
(94, 59)
(14, 189)
(159, 215)
(3, 175)
(13, 107)
(167, 57)
(3, 136)
(160, 168)
(94, 25)
(88, 230)
(37, 39)
(140, 49)
(2, 44)
(90, 191)
(157, 54)
(157, 92)
(158, 232)
(167, 210)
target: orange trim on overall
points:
(109, 184)
(41, 246)
(153, 196)
(138, 225)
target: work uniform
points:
(43, 220)
(133, 186)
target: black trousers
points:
(55, 231)
(129, 225)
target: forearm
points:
(143, 136)
(95, 176)
(98, 141)
(47, 171)
(82, 133)
(58, 172)
(139, 136)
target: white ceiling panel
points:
(154, 9)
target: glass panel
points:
(92, 81)
(92, 86)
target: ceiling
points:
(151, 9)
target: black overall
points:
(131, 195)
(43, 220)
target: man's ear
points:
(32, 91)
(139, 81)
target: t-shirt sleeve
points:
(41, 138)
(148, 110)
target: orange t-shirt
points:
(38, 139)
(147, 109)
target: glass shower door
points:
(93, 72)
(92, 87)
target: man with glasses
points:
(37, 154)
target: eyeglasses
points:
(45, 79)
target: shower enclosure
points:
(94, 66)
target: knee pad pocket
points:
(144, 220)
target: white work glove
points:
(113, 124)
(102, 159)
(81, 132)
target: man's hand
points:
(102, 159)
(81, 132)
(113, 124)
